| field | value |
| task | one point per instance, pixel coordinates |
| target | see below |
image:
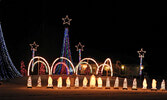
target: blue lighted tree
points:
(7, 68)
(65, 52)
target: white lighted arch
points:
(54, 68)
(91, 59)
(39, 61)
(37, 57)
(105, 64)
(64, 58)
(87, 64)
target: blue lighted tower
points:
(7, 68)
(66, 52)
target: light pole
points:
(141, 56)
(34, 47)
(79, 48)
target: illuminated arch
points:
(91, 59)
(32, 69)
(87, 64)
(105, 64)
(64, 58)
(41, 59)
(54, 68)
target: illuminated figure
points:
(162, 85)
(50, 82)
(29, 82)
(107, 83)
(154, 85)
(99, 82)
(134, 85)
(59, 82)
(85, 82)
(116, 85)
(125, 84)
(39, 82)
(68, 82)
(92, 81)
(144, 84)
(77, 82)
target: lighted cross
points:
(141, 53)
(66, 20)
(34, 46)
(79, 46)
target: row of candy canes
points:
(99, 82)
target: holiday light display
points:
(79, 49)
(107, 83)
(39, 82)
(99, 82)
(162, 85)
(144, 84)
(77, 82)
(56, 63)
(154, 85)
(85, 82)
(141, 56)
(66, 52)
(59, 82)
(39, 59)
(34, 47)
(50, 82)
(68, 82)
(92, 81)
(7, 68)
(116, 85)
(125, 84)
(108, 63)
(85, 59)
(42, 69)
(29, 82)
(134, 85)
(23, 69)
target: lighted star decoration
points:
(66, 20)
(141, 53)
(79, 46)
(34, 46)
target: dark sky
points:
(107, 29)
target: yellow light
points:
(106, 68)
(84, 66)
(92, 81)
(122, 67)
(142, 67)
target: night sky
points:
(107, 29)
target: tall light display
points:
(141, 56)
(34, 47)
(80, 49)
(7, 68)
(66, 52)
